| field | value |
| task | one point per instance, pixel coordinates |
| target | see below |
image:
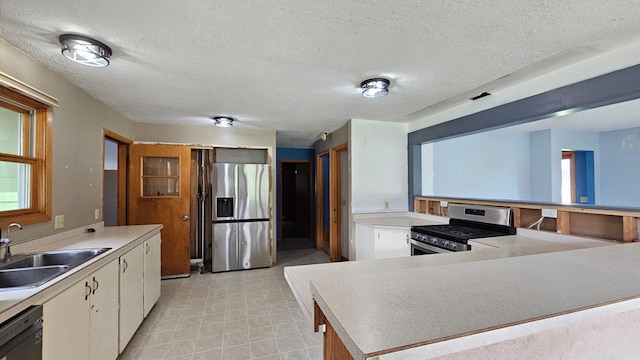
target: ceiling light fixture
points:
(376, 87)
(84, 50)
(223, 121)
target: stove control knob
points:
(453, 246)
(445, 243)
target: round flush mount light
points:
(223, 121)
(376, 87)
(84, 50)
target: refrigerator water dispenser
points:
(224, 206)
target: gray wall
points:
(77, 143)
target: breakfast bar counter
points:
(506, 299)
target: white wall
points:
(379, 167)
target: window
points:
(160, 176)
(25, 158)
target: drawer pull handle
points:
(96, 284)
(87, 287)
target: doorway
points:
(114, 179)
(295, 205)
(578, 177)
(332, 211)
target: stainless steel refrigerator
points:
(240, 216)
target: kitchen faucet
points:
(5, 241)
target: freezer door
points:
(223, 177)
(253, 191)
(253, 245)
(225, 247)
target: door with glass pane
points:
(159, 193)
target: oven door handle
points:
(427, 247)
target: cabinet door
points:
(104, 313)
(131, 293)
(151, 273)
(65, 329)
(392, 243)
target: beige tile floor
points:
(238, 315)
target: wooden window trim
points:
(41, 172)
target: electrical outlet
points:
(386, 204)
(58, 222)
(550, 213)
(444, 203)
(96, 214)
(584, 199)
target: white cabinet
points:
(131, 293)
(390, 243)
(151, 273)
(82, 322)
(373, 242)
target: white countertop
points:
(362, 296)
(398, 219)
(532, 242)
(375, 313)
(120, 239)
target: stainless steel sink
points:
(34, 269)
(29, 277)
(70, 258)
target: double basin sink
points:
(29, 270)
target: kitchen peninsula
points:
(563, 297)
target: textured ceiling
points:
(294, 65)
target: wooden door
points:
(159, 193)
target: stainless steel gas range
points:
(466, 222)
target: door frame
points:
(280, 196)
(319, 199)
(334, 200)
(571, 156)
(123, 173)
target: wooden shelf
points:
(610, 224)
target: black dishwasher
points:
(21, 336)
